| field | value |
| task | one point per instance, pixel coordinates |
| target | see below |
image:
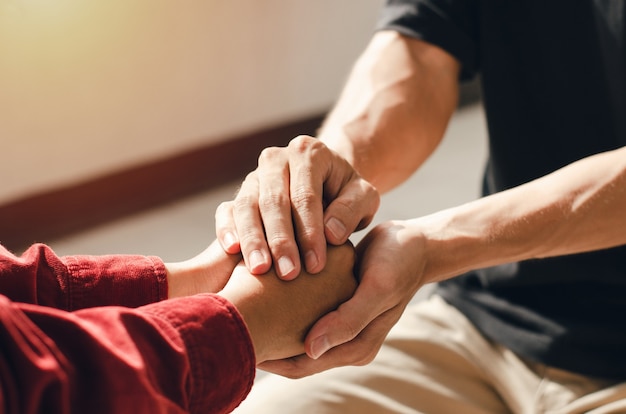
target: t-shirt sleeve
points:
(450, 24)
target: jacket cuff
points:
(221, 356)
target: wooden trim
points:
(61, 211)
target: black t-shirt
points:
(554, 89)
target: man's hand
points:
(300, 198)
(578, 208)
(353, 334)
(279, 313)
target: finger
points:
(359, 351)
(225, 228)
(309, 167)
(353, 208)
(347, 322)
(249, 227)
(302, 366)
(275, 209)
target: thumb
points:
(342, 325)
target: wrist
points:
(451, 245)
(207, 272)
(250, 307)
(184, 279)
(471, 236)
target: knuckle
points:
(249, 239)
(301, 143)
(250, 178)
(272, 199)
(303, 197)
(350, 214)
(278, 242)
(248, 185)
(243, 203)
(372, 193)
(307, 236)
(269, 155)
(224, 208)
(345, 207)
(305, 144)
(362, 208)
(368, 187)
(368, 191)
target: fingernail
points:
(319, 346)
(229, 239)
(285, 266)
(336, 227)
(256, 259)
(311, 260)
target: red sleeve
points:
(40, 277)
(181, 355)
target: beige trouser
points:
(435, 361)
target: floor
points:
(180, 230)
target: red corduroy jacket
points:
(94, 334)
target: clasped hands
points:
(278, 313)
(299, 200)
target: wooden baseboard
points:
(61, 211)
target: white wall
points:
(89, 87)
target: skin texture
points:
(287, 194)
(278, 314)
(390, 117)
(207, 272)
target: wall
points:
(90, 87)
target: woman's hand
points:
(280, 313)
(207, 272)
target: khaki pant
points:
(435, 361)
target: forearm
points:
(394, 109)
(576, 209)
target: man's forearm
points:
(394, 109)
(579, 208)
